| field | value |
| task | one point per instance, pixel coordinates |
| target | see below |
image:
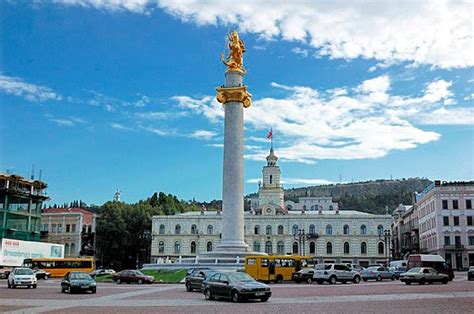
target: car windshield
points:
(323, 267)
(374, 268)
(243, 277)
(79, 276)
(414, 270)
(24, 271)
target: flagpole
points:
(271, 139)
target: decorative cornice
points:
(238, 94)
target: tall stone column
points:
(233, 172)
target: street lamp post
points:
(386, 236)
(301, 237)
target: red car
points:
(132, 275)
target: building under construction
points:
(21, 201)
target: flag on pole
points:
(270, 134)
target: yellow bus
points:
(59, 267)
(275, 268)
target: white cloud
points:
(119, 126)
(16, 86)
(296, 181)
(216, 145)
(299, 51)
(366, 121)
(157, 131)
(203, 134)
(137, 6)
(62, 122)
(159, 115)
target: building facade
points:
(326, 235)
(405, 233)
(73, 227)
(21, 201)
(445, 217)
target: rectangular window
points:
(445, 204)
(60, 228)
(447, 241)
(471, 240)
(468, 204)
(455, 204)
(45, 227)
(457, 240)
(469, 220)
(456, 221)
(68, 228)
(446, 221)
(73, 228)
(53, 228)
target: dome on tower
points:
(271, 158)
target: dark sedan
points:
(132, 275)
(304, 275)
(41, 274)
(78, 282)
(194, 279)
(236, 286)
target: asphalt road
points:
(370, 297)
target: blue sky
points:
(104, 95)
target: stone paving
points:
(371, 297)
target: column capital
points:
(238, 94)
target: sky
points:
(120, 94)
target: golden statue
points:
(236, 53)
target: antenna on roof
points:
(32, 172)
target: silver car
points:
(377, 273)
(333, 273)
(423, 275)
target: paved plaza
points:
(371, 297)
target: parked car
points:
(132, 275)
(304, 275)
(195, 279)
(236, 286)
(41, 274)
(355, 267)
(470, 273)
(4, 272)
(423, 275)
(434, 261)
(102, 272)
(333, 273)
(377, 273)
(22, 276)
(78, 281)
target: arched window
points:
(329, 248)
(363, 248)
(346, 248)
(289, 207)
(280, 229)
(209, 246)
(161, 247)
(295, 247)
(330, 207)
(380, 229)
(312, 229)
(268, 247)
(280, 248)
(193, 247)
(256, 246)
(177, 229)
(257, 229)
(193, 229)
(363, 229)
(312, 207)
(381, 248)
(162, 229)
(66, 249)
(72, 250)
(295, 229)
(209, 229)
(312, 248)
(268, 230)
(329, 229)
(177, 247)
(346, 229)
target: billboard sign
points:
(13, 252)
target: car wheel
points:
(208, 294)
(188, 287)
(279, 279)
(407, 283)
(422, 281)
(332, 280)
(445, 281)
(9, 285)
(140, 281)
(119, 281)
(68, 290)
(264, 299)
(235, 296)
(393, 277)
(309, 280)
(94, 291)
(356, 279)
(379, 278)
(34, 286)
(46, 277)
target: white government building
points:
(314, 226)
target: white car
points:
(22, 277)
(102, 272)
